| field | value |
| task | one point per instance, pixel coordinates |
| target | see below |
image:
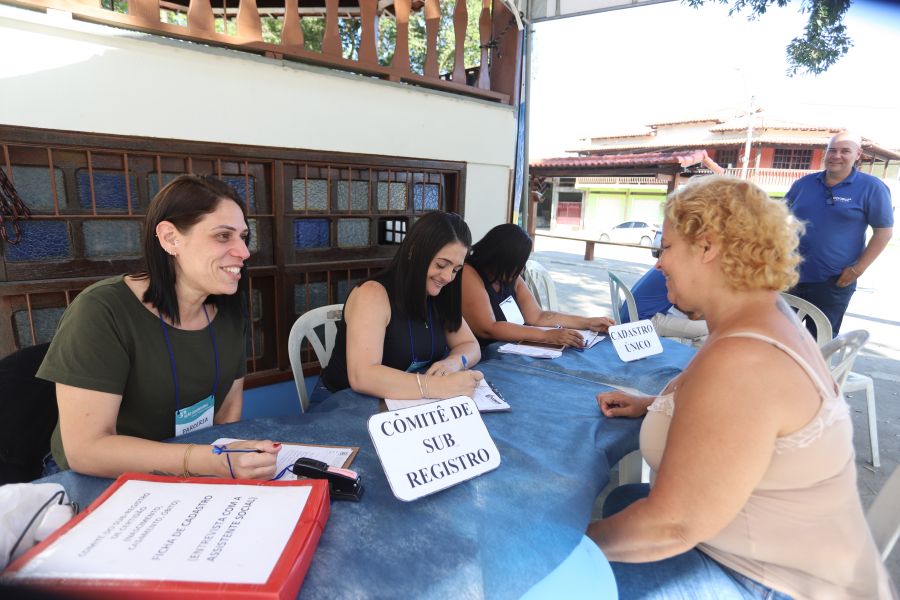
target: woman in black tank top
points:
(499, 306)
(402, 334)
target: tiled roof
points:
(733, 138)
(686, 122)
(683, 158)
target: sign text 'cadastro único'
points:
(430, 447)
(635, 340)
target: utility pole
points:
(749, 140)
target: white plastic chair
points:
(884, 515)
(305, 328)
(806, 309)
(617, 290)
(853, 382)
(840, 353)
(538, 280)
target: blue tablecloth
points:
(495, 536)
(601, 364)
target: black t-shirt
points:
(406, 340)
(506, 290)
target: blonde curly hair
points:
(757, 235)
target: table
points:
(601, 364)
(495, 536)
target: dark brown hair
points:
(183, 202)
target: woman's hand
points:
(601, 324)
(566, 337)
(252, 465)
(460, 383)
(451, 364)
(620, 404)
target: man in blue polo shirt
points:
(838, 205)
(652, 299)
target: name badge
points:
(635, 340)
(511, 311)
(198, 416)
(427, 448)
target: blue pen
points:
(225, 450)
(465, 362)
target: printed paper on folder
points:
(335, 456)
(156, 531)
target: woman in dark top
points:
(145, 357)
(402, 335)
(499, 306)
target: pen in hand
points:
(226, 450)
(465, 362)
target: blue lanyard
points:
(412, 346)
(212, 338)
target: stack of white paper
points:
(528, 350)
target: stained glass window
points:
(35, 188)
(41, 240)
(103, 239)
(309, 194)
(110, 194)
(358, 192)
(353, 233)
(311, 233)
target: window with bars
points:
(727, 157)
(319, 225)
(792, 158)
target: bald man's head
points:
(842, 152)
(847, 136)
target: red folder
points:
(283, 582)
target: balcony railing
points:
(351, 40)
(772, 179)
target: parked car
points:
(655, 250)
(631, 232)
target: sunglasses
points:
(829, 196)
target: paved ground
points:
(583, 288)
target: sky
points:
(616, 71)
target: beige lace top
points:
(802, 530)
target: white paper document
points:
(486, 399)
(335, 456)
(529, 350)
(511, 311)
(179, 532)
(591, 338)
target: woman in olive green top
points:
(146, 357)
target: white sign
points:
(635, 340)
(178, 532)
(428, 448)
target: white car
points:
(631, 232)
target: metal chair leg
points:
(873, 422)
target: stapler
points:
(343, 484)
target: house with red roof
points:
(613, 178)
